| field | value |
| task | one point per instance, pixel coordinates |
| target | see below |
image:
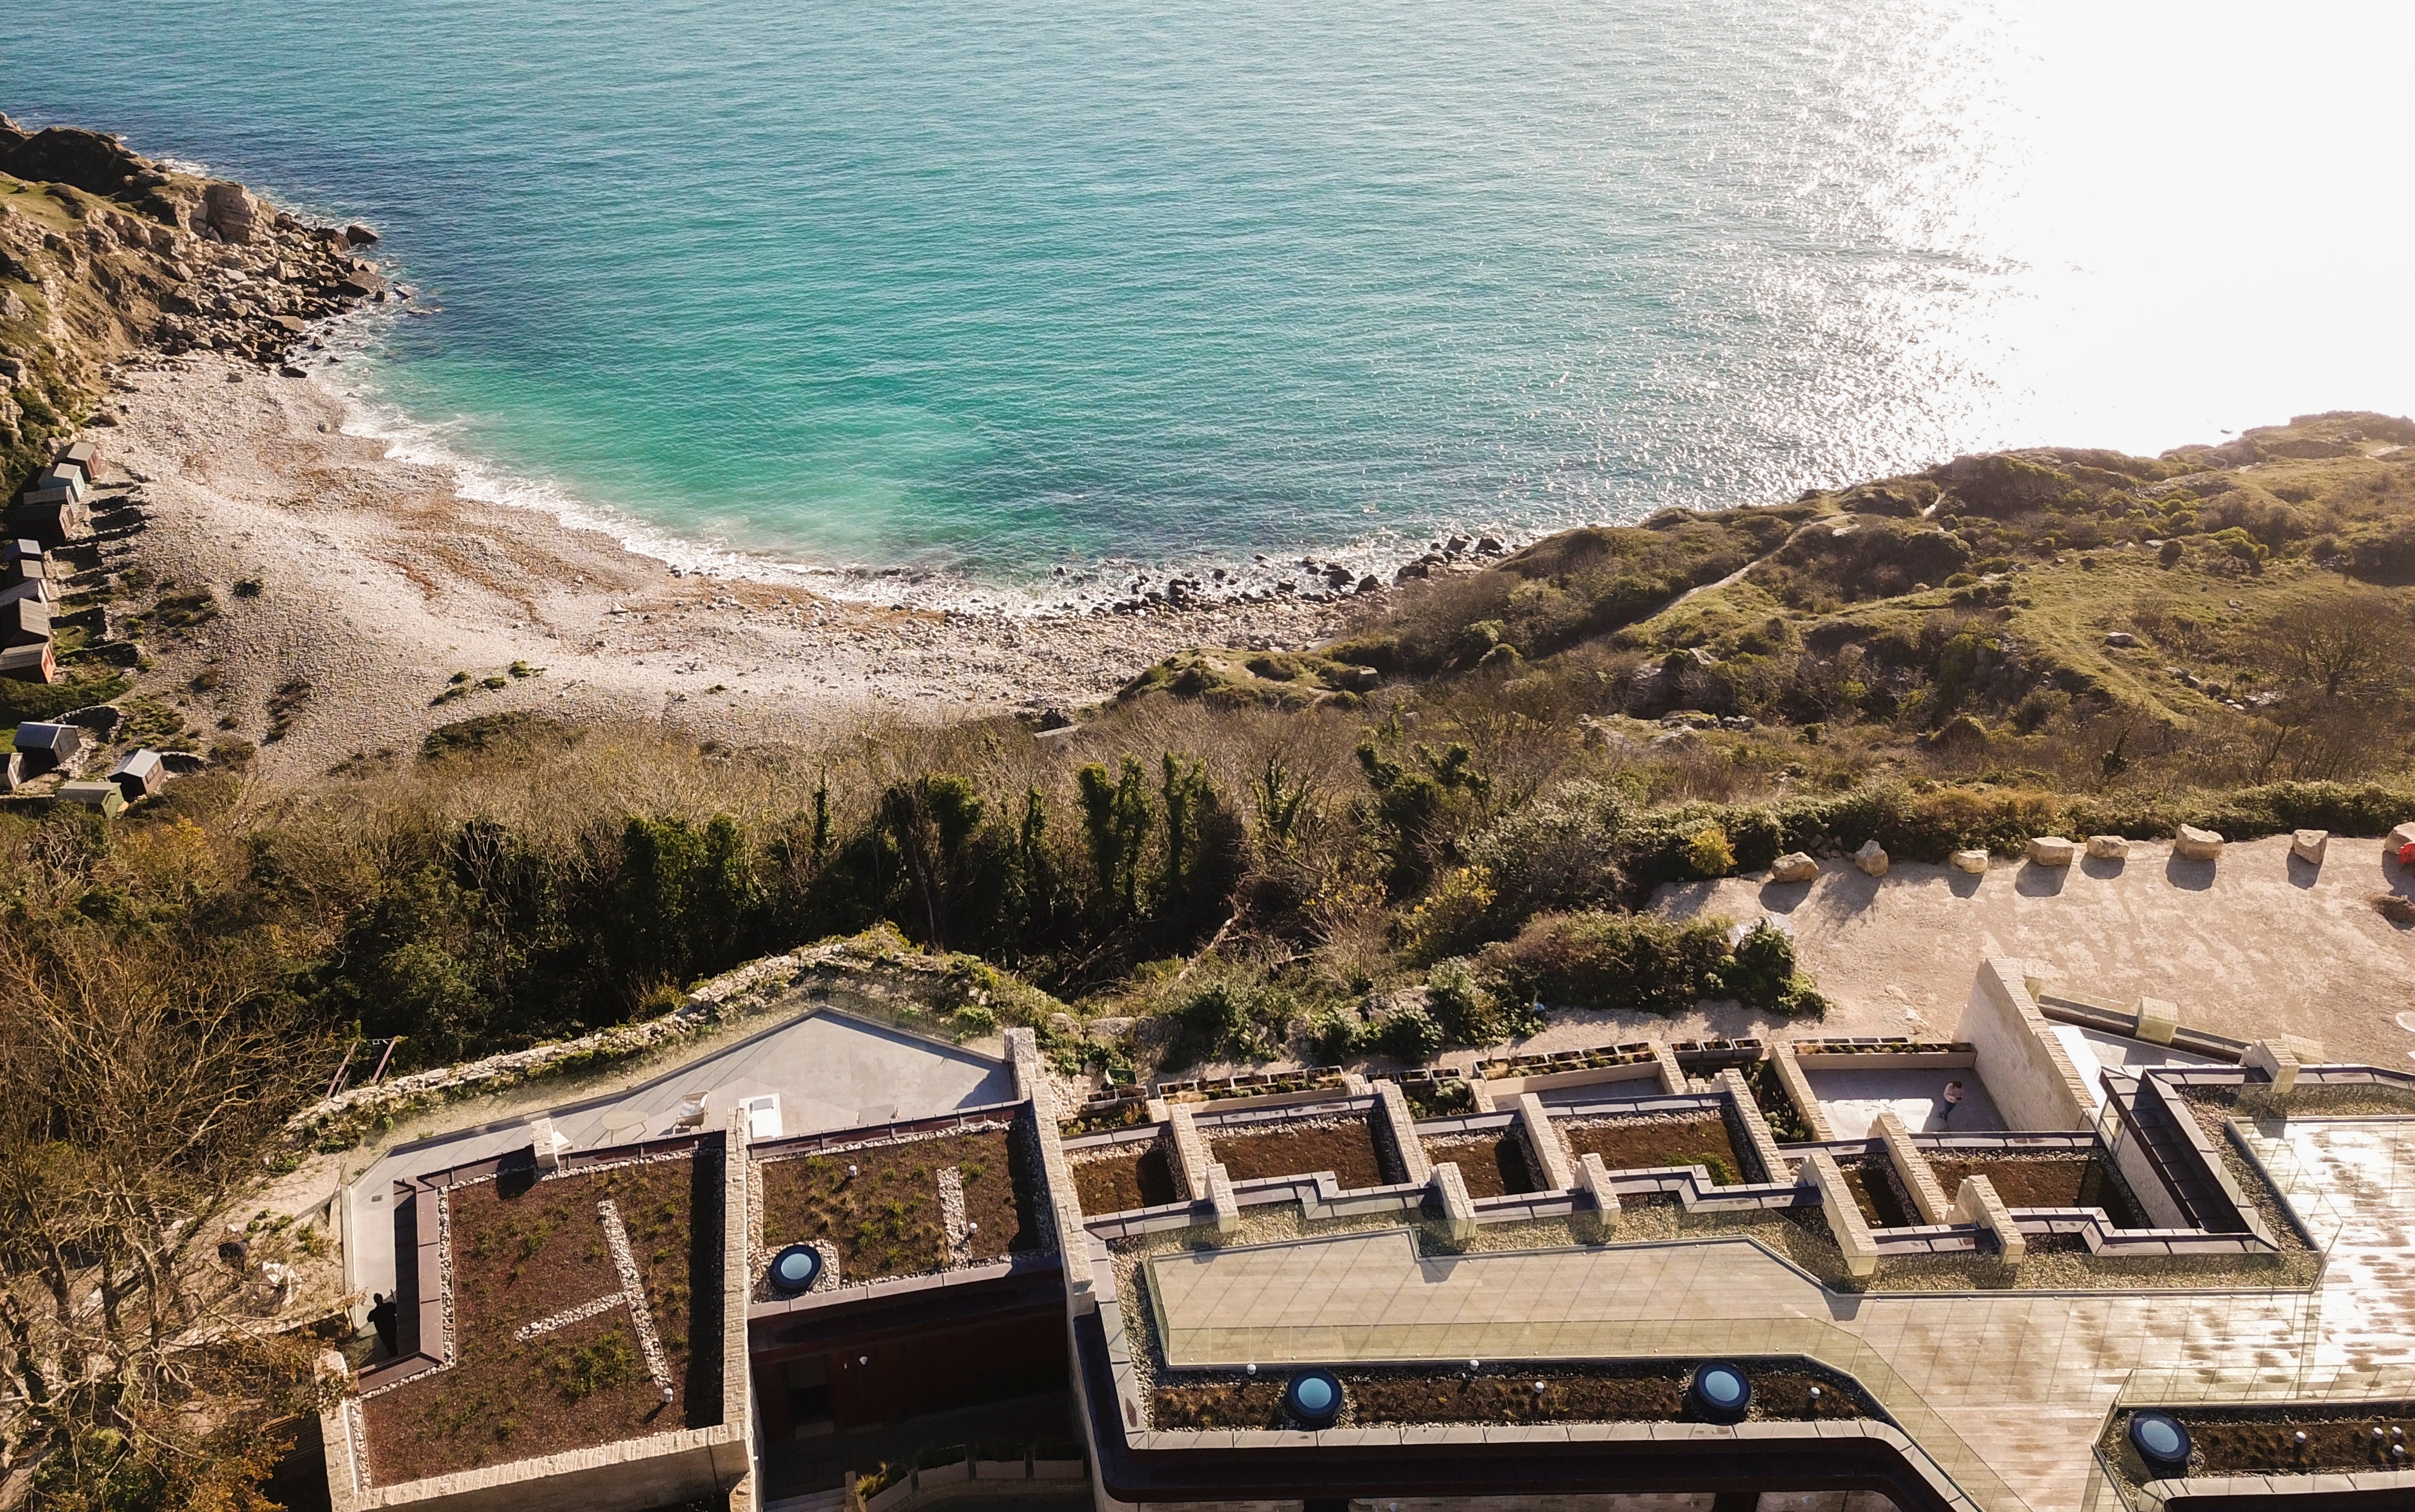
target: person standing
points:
(1953, 1100)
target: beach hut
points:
(18, 552)
(95, 792)
(32, 587)
(48, 747)
(50, 522)
(60, 475)
(12, 772)
(28, 664)
(84, 454)
(24, 622)
(139, 775)
(33, 569)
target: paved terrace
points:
(829, 1070)
(2007, 1390)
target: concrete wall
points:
(2026, 1074)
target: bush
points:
(1454, 917)
(1238, 1017)
(972, 1021)
(1408, 1034)
(1761, 974)
(1708, 852)
(1603, 960)
(1465, 1010)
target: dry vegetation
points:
(885, 1217)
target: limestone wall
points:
(2026, 1074)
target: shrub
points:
(1468, 1010)
(1409, 1034)
(1708, 852)
(1455, 916)
(973, 1021)
(1603, 960)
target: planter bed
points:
(2048, 1181)
(1345, 1146)
(2261, 1441)
(886, 1220)
(1134, 1176)
(1651, 1144)
(1642, 1392)
(1877, 1194)
(1491, 1164)
(524, 1251)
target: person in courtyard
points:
(1953, 1100)
(382, 1317)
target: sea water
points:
(978, 288)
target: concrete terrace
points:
(829, 1069)
(2022, 1379)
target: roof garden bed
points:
(1344, 1146)
(1491, 1164)
(1643, 1391)
(2341, 1438)
(2048, 1182)
(1125, 1177)
(1650, 1143)
(1879, 1193)
(551, 1349)
(886, 1206)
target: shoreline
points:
(351, 586)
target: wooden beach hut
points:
(48, 747)
(139, 775)
(24, 622)
(84, 454)
(28, 664)
(95, 792)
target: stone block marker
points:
(1190, 1151)
(1794, 867)
(2158, 1021)
(1977, 1203)
(1756, 1128)
(1798, 1091)
(2198, 844)
(1543, 1142)
(2107, 849)
(1593, 1179)
(1393, 1108)
(1458, 1208)
(2275, 1060)
(2051, 850)
(1918, 1178)
(1221, 1198)
(1973, 862)
(1844, 1215)
(1871, 858)
(2309, 845)
(2400, 838)
(1673, 1077)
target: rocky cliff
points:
(105, 253)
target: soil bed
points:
(2048, 1181)
(1120, 1183)
(2231, 1444)
(1876, 1192)
(1345, 1146)
(885, 1220)
(1652, 1144)
(1492, 1165)
(1646, 1393)
(524, 1251)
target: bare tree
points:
(2348, 641)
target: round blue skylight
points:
(2160, 1441)
(793, 1269)
(1314, 1398)
(1719, 1391)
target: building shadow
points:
(2181, 872)
(2035, 881)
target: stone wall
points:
(2026, 1074)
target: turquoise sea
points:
(979, 287)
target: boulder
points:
(2198, 844)
(1794, 867)
(2051, 850)
(2400, 839)
(1871, 858)
(2107, 849)
(359, 235)
(1973, 862)
(231, 210)
(2309, 845)
(1487, 547)
(2121, 637)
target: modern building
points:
(2079, 1257)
